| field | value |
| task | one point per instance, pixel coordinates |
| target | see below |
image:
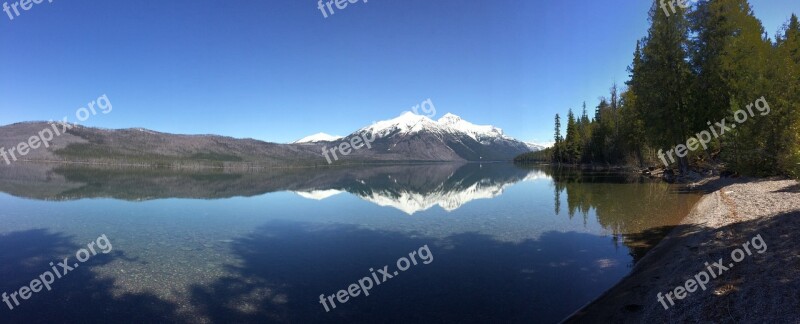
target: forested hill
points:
(709, 84)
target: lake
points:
(490, 242)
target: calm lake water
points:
(507, 244)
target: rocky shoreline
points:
(762, 287)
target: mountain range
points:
(406, 138)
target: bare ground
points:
(761, 288)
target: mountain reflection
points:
(410, 188)
(623, 204)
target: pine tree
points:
(752, 147)
(599, 133)
(785, 88)
(586, 135)
(573, 139)
(613, 141)
(557, 150)
(663, 80)
(713, 31)
(632, 132)
(634, 136)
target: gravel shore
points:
(760, 288)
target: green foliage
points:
(784, 70)
(558, 148)
(573, 141)
(692, 68)
(543, 156)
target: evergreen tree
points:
(573, 139)
(785, 89)
(663, 80)
(713, 30)
(599, 133)
(557, 150)
(752, 147)
(632, 132)
(634, 136)
(586, 135)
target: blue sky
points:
(277, 70)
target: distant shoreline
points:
(240, 166)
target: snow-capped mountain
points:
(407, 138)
(410, 123)
(480, 133)
(450, 138)
(318, 137)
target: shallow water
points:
(507, 244)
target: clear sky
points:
(277, 70)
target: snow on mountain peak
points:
(477, 132)
(318, 137)
(449, 119)
(411, 202)
(409, 122)
(319, 194)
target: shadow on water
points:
(79, 296)
(637, 210)
(472, 278)
(640, 243)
